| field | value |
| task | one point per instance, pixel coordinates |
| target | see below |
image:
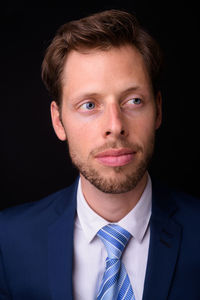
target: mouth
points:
(116, 157)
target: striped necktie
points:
(116, 283)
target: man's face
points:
(109, 116)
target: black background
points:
(33, 162)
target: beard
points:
(125, 178)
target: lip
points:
(115, 157)
(115, 152)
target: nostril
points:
(107, 133)
(122, 132)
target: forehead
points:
(99, 70)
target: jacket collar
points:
(60, 245)
(164, 246)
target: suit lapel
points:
(164, 247)
(60, 247)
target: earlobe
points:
(56, 121)
(158, 110)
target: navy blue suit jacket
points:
(36, 248)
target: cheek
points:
(145, 127)
(82, 127)
(79, 136)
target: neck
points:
(112, 207)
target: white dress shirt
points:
(90, 253)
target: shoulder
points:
(185, 208)
(40, 212)
(188, 210)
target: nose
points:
(113, 122)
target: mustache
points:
(117, 145)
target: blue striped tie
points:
(115, 284)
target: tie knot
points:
(115, 239)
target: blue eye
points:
(135, 101)
(88, 106)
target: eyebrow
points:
(123, 93)
(131, 89)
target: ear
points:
(56, 121)
(158, 110)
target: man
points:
(114, 234)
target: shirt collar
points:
(136, 221)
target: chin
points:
(117, 182)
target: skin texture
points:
(108, 117)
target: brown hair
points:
(102, 31)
